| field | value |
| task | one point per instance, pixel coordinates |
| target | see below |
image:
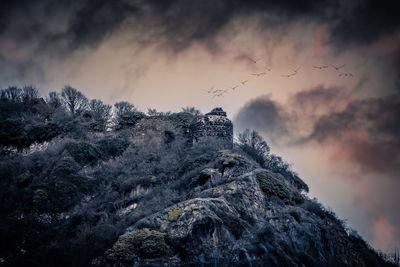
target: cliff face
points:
(236, 213)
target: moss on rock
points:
(273, 184)
(144, 243)
(174, 214)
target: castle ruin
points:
(214, 124)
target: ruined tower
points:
(214, 124)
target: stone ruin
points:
(214, 124)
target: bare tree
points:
(123, 107)
(29, 93)
(253, 144)
(152, 112)
(74, 100)
(99, 109)
(12, 93)
(101, 114)
(126, 115)
(192, 110)
(54, 100)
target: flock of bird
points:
(221, 92)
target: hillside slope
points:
(143, 193)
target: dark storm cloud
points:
(181, 22)
(97, 18)
(31, 30)
(32, 33)
(366, 131)
(264, 115)
(367, 21)
(282, 121)
(318, 100)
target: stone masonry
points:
(213, 124)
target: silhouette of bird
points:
(320, 67)
(210, 90)
(220, 94)
(291, 74)
(252, 60)
(296, 70)
(345, 74)
(337, 68)
(217, 91)
(258, 74)
(244, 82)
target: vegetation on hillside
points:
(74, 175)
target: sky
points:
(327, 98)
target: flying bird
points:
(320, 67)
(217, 91)
(252, 60)
(337, 68)
(210, 90)
(291, 74)
(219, 94)
(345, 74)
(244, 82)
(258, 74)
(296, 70)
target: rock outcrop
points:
(239, 214)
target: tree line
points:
(26, 117)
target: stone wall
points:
(213, 124)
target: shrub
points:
(254, 145)
(143, 242)
(201, 179)
(181, 119)
(126, 115)
(83, 152)
(318, 209)
(193, 162)
(278, 165)
(273, 184)
(65, 186)
(131, 183)
(112, 147)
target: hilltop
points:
(85, 184)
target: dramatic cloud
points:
(367, 130)
(268, 115)
(70, 25)
(385, 234)
(165, 53)
(350, 144)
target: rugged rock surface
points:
(239, 214)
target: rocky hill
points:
(236, 213)
(157, 190)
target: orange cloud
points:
(385, 234)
